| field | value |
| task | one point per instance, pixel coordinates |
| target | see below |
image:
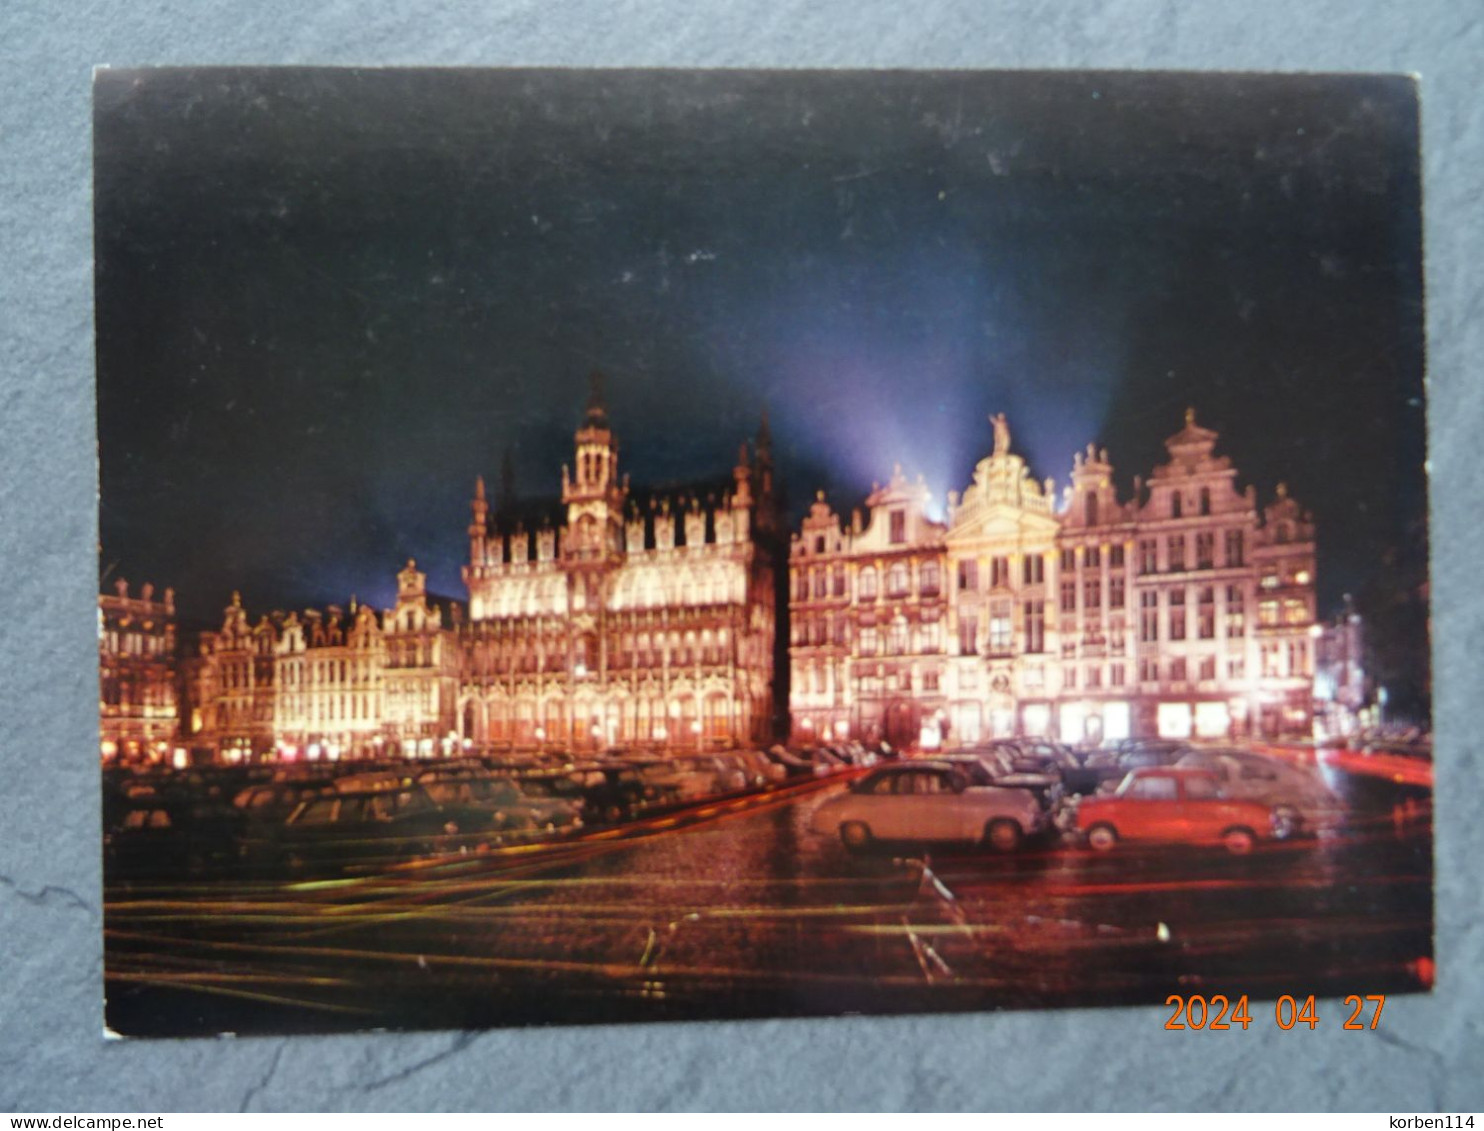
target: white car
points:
(929, 801)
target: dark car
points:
(613, 792)
(372, 827)
(156, 837)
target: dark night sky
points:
(328, 299)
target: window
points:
(898, 527)
(1148, 618)
(1177, 552)
(868, 642)
(1298, 658)
(968, 636)
(999, 573)
(1068, 560)
(801, 586)
(1033, 569)
(930, 680)
(932, 634)
(839, 581)
(1153, 789)
(1115, 556)
(1208, 667)
(1201, 789)
(896, 642)
(1094, 557)
(1235, 617)
(1092, 594)
(1267, 613)
(1177, 614)
(1000, 637)
(1148, 671)
(866, 585)
(968, 576)
(1177, 505)
(1205, 551)
(1091, 509)
(1069, 678)
(1177, 669)
(1035, 626)
(1271, 663)
(1068, 596)
(1115, 593)
(820, 583)
(1206, 616)
(1233, 547)
(1094, 678)
(896, 580)
(1205, 500)
(1236, 668)
(1295, 611)
(929, 580)
(819, 544)
(1115, 676)
(1149, 556)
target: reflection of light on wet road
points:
(737, 908)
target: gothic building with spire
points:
(624, 616)
(1186, 610)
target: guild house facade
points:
(342, 682)
(137, 690)
(627, 617)
(1185, 610)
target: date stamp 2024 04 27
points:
(1221, 1012)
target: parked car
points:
(155, 836)
(982, 769)
(1172, 806)
(929, 801)
(792, 764)
(512, 807)
(1301, 803)
(374, 826)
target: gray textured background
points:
(1429, 1050)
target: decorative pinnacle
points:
(1189, 417)
(597, 409)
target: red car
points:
(1182, 806)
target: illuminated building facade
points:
(332, 684)
(626, 620)
(137, 694)
(1185, 611)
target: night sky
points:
(327, 299)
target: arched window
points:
(896, 580)
(867, 586)
(929, 580)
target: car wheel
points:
(1003, 835)
(1287, 824)
(1239, 842)
(1102, 838)
(855, 835)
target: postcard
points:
(596, 546)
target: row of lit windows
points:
(1202, 553)
(821, 583)
(133, 643)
